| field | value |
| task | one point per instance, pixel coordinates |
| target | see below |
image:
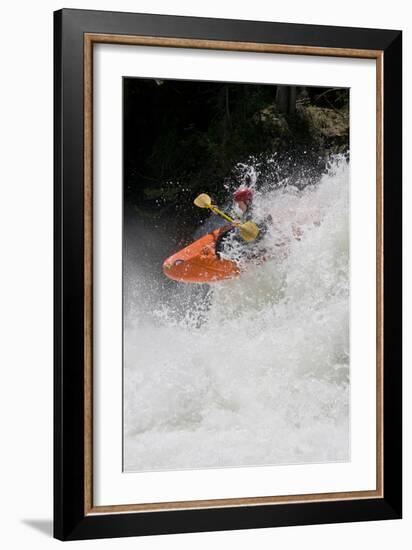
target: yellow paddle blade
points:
(203, 201)
(248, 231)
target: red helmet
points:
(243, 195)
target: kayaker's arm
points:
(248, 230)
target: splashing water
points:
(253, 370)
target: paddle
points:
(248, 230)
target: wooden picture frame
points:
(75, 515)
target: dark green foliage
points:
(182, 138)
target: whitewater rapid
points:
(254, 370)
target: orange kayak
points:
(200, 262)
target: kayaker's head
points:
(243, 198)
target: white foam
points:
(256, 370)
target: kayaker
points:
(243, 210)
(243, 199)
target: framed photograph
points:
(227, 274)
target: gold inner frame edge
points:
(89, 40)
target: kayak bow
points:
(199, 262)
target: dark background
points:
(182, 138)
